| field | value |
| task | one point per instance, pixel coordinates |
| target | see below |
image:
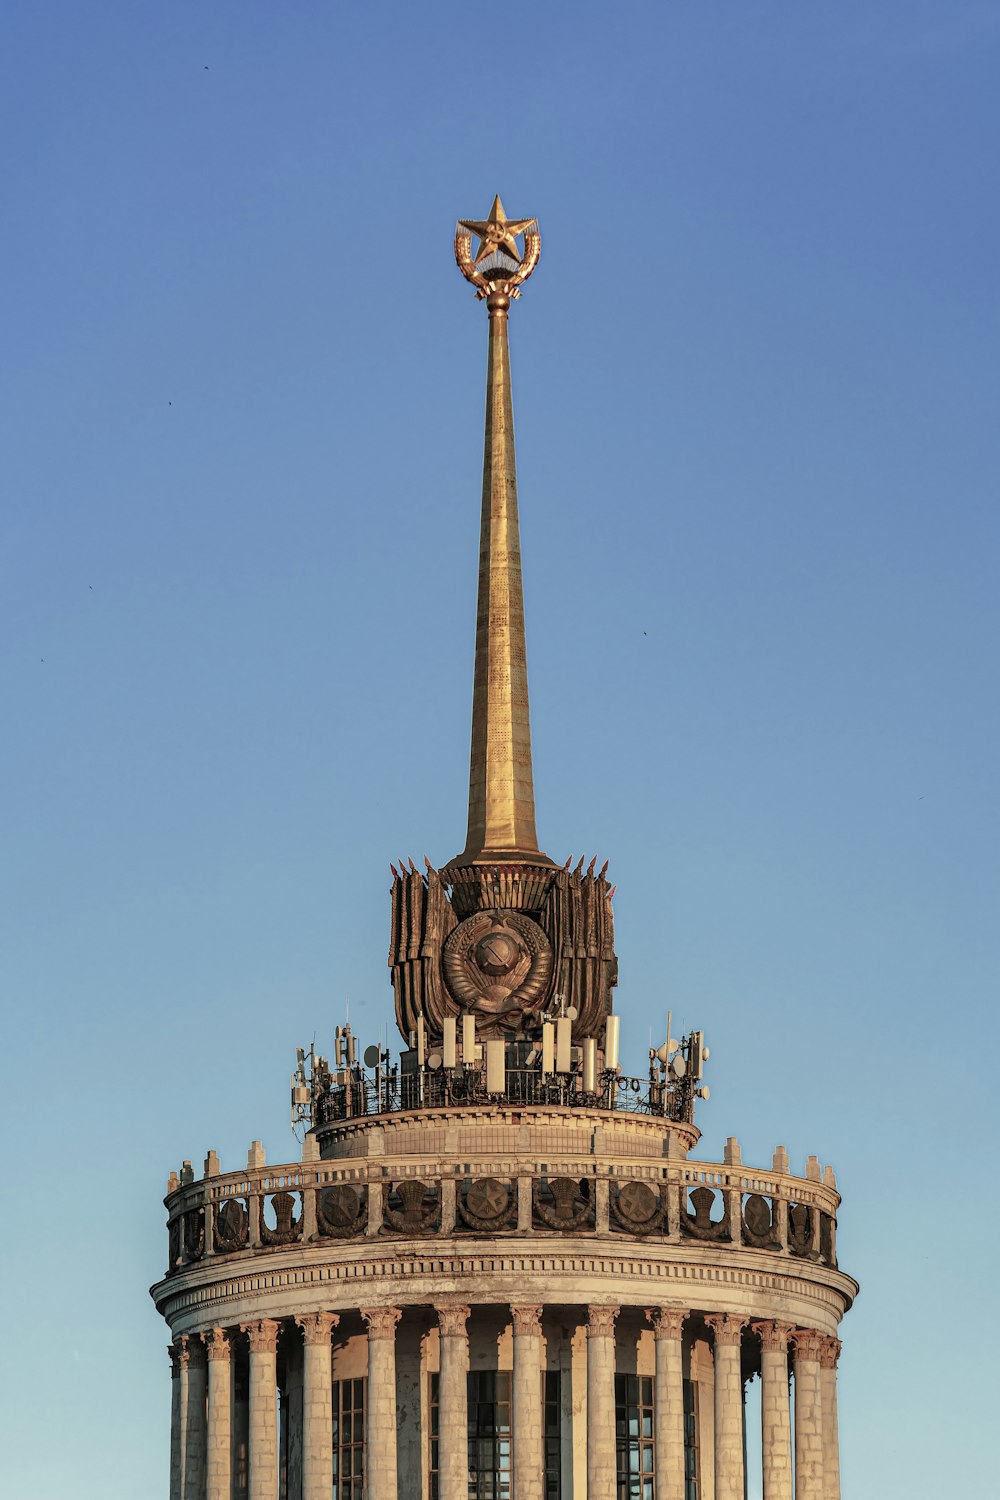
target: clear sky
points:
(756, 385)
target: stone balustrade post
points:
(729, 1477)
(775, 1410)
(262, 1336)
(808, 1415)
(178, 1397)
(317, 1404)
(829, 1353)
(380, 1427)
(219, 1456)
(668, 1397)
(602, 1481)
(453, 1398)
(529, 1456)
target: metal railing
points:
(353, 1093)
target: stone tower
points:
(496, 1272)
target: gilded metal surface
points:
(501, 792)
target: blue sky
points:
(755, 388)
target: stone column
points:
(219, 1459)
(829, 1353)
(380, 1424)
(317, 1404)
(668, 1429)
(775, 1410)
(178, 1394)
(263, 1339)
(194, 1425)
(808, 1415)
(453, 1408)
(602, 1482)
(529, 1456)
(728, 1330)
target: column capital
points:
(452, 1319)
(174, 1354)
(727, 1327)
(191, 1354)
(808, 1343)
(773, 1334)
(317, 1326)
(527, 1320)
(262, 1334)
(601, 1320)
(829, 1353)
(668, 1322)
(381, 1321)
(217, 1343)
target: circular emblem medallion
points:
(498, 964)
(487, 1198)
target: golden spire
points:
(501, 791)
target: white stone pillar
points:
(529, 1453)
(380, 1426)
(453, 1403)
(178, 1393)
(775, 1410)
(728, 1331)
(808, 1415)
(602, 1482)
(262, 1336)
(829, 1353)
(668, 1397)
(219, 1456)
(194, 1425)
(317, 1404)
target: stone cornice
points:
(321, 1276)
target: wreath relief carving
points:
(498, 964)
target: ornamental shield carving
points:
(498, 964)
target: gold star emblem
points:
(497, 232)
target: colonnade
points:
(201, 1443)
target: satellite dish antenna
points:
(672, 1045)
(571, 1013)
(372, 1056)
(662, 1053)
(703, 1091)
(434, 1060)
(678, 1067)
